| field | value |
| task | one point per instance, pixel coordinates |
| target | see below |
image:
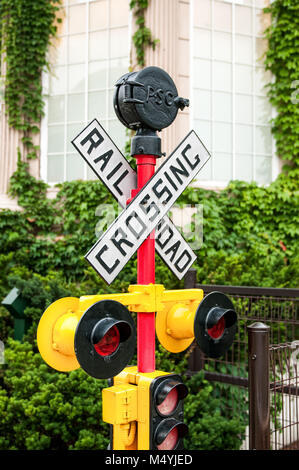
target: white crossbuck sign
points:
(147, 211)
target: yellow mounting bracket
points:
(150, 297)
(145, 298)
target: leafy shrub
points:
(45, 409)
(210, 430)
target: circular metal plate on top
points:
(147, 98)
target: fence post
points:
(190, 279)
(259, 386)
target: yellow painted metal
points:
(179, 322)
(139, 298)
(141, 381)
(63, 333)
(184, 295)
(55, 334)
(125, 436)
(144, 381)
(144, 298)
(120, 404)
(150, 297)
(120, 409)
(87, 301)
(175, 324)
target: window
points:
(91, 53)
(230, 111)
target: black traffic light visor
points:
(166, 387)
(216, 313)
(215, 307)
(166, 426)
(103, 326)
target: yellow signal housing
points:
(175, 323)
(55, 334)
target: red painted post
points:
(146, 275)
(140, 107)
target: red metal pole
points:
(145, 275)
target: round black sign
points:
(105, 339)
(215, 324)
(147, 99)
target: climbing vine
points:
(27, 27)
(142, 38)
(282, 59)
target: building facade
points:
(213, 50)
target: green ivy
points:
(27, 27)
(250, 232)
(142, 38)
(209, 429)
(282, 59)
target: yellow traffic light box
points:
(145, 410)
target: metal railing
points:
(258, 377)
(284, 392)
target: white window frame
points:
(45, 88)
(276, 164)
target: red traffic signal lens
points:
(109, 343)
(168, 433)
(218, 329)
(168, 395)
(169, 403)
(170, 440)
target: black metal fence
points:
(247, 379)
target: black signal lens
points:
(167, 393)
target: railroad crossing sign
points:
(107, 161)
(148, 209)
